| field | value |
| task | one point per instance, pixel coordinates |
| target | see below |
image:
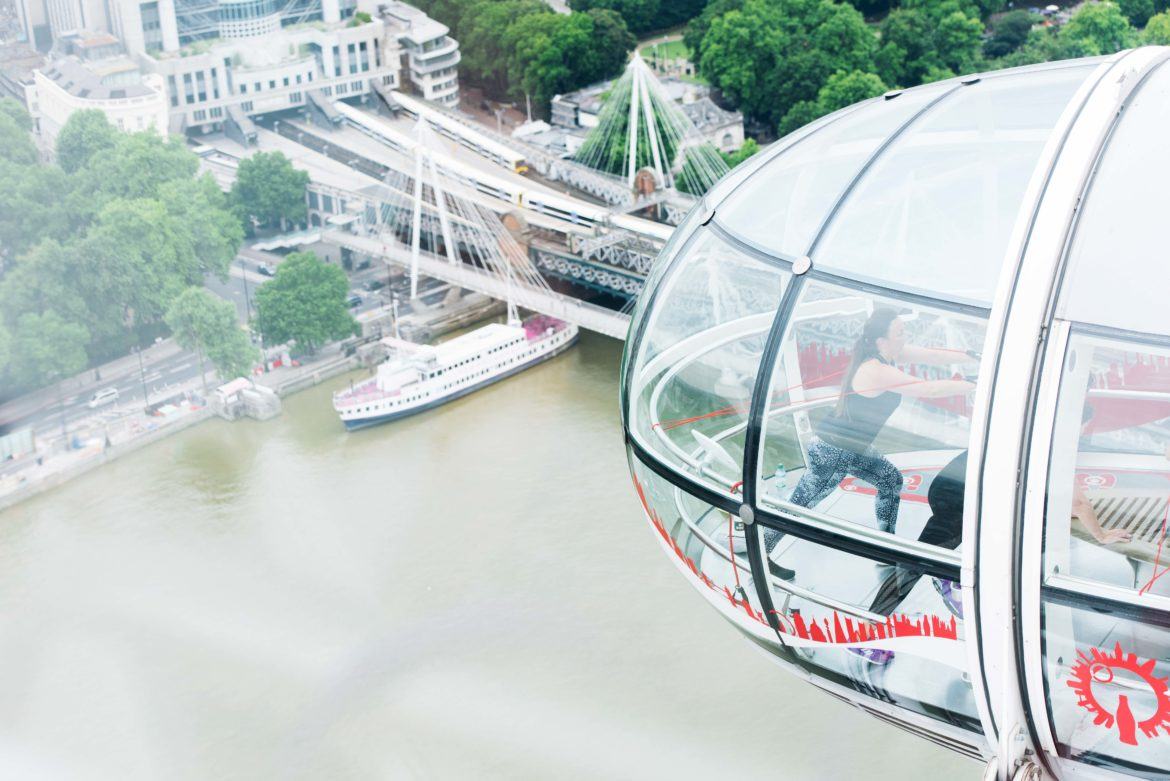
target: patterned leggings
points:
(828, 465)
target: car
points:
(102, 397)
(353, 300)
(362, 264)
(373, 284)
(265, 269)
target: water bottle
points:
(780, 482)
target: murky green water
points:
(471, 593)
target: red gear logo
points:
(1101, 669)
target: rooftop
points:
(78, 80)
(704, 114)
(418, 26)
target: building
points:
(723, 129)
(256, 64)
(896, 402)
(430, 57)
(92, 71)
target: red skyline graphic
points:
(840, 630)
(1099, 669)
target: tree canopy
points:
(772, 54)
(205, 323)
(47, 348)
(100, 254)
(269, 190)
(85, 134)
(304, 303)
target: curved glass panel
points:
(1108, 496)
(783, 205)
(658, 270)
(935, 212)
(870, 403)
(1105, 681)
(889, 632)
(1118, 272)
(697, 363)
(704, 542)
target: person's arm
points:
(933, 356)
(875, 378)
(1082, 509)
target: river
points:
(469, 593)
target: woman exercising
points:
(871, 390)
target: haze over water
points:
(468, 593)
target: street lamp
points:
(247, 295)
(142, 378)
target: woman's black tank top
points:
(863, 418)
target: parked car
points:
(103, 397)
(362, 264)
(353, 300)
(373, 284)
(265, 269)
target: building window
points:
(286, 81)
(217, 112)
(329, 90)
(173, 89)
(342, 89)
(272, 84)
(298, 78)
(356, 86)
(295, 97)
(336, 61)
(198, 116)
(256, 86)
(215, 83)
(243, 89)
(246, 105)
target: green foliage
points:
(31, 206)
(640, 15)
(5, 349)
(1009, 34)
(111, 245)
(85, 134)
(46, 348)
(841, 90)
(1138, 12)
(749, 148)
(1097, 28)
(773, 54)
(205, 323)
(925, 38)
(269, 190)
(360, 18)
(16, 145)
(697, 28)
(481, 40)
(1157, 30)
(304, 303)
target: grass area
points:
(671, 50)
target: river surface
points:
(469, 593)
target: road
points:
(167, 373)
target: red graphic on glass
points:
(840, 630)
(1100, 669)
(912, 482)
(1092, 480)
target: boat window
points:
(697, 364)
(870, 405)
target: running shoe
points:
(951, 595)
(878, 656)
(781, 572)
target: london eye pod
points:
(896, 399)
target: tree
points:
(1009, 34)
(921, 39)
(772, 54)
(32, 206)
(305, 303)
(1098, 28)
(612, 44)
(481, 39)
(841, 90)
(204, 223)
(697, 28)
(640, 15)
(269, 189)
(1157, 30)
(1138, 12)
(749, 148)
(46, 348)
(5, 349)
(16, 145)
(206, 324)
(85, 134)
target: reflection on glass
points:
(696, 369)
(887, 632)
(1109, 476)
(870, 401)
(936, 210)
(783, 205)
(705, 541)
(1106, 686)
